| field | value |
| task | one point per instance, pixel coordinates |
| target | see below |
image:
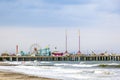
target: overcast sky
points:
(25, 22)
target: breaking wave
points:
(113, 65)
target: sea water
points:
(68, 70)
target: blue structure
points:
(44, 52)
(23, 53)
(41, 52)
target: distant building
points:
(4, 54)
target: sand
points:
(18, 76)
(7, 75)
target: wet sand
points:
(7, 75)
(17, 76)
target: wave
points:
(44, 62)
(68, 73)
(85, 65)
(90, 65)
(29, 63)
(13, 62)
(109, 65)
(77, 65)
(62, 64)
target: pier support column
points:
(10, 58)
(23, 59)
(68, 58)
(99, 58)
(115, 58)
(102, 58)
(84, 58)
(90, 58)
(118, 58)
(16, 58)
(78, 58)
(96, 58)
(110, 58)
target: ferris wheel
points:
(34, 48)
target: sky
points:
(25, 22)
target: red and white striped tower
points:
(79, 43)
(16, 49)
(66, 41)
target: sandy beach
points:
(17, 76)
(7, 75)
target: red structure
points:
(79, 43)
(56, 53)
(66, 41)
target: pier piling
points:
(62, 58)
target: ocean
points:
(68, 70)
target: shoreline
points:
(9, 75)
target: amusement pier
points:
(47, 55)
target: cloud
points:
(97, 20)
(57, 13)
(109, 6)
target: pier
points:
(61, 58)
(45, 54)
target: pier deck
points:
(62, 58)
